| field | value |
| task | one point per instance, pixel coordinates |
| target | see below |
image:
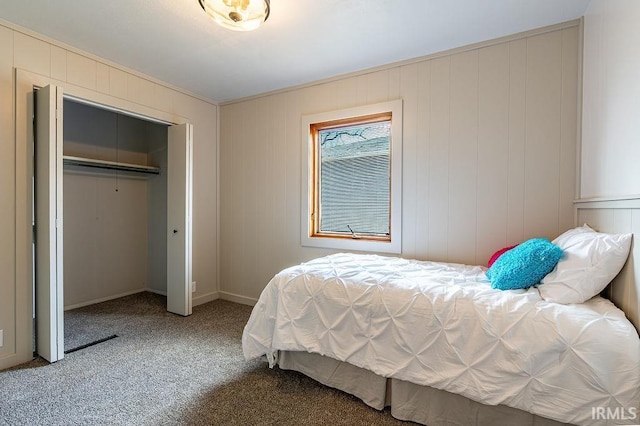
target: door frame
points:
(25, 83)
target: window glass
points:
(354, 179)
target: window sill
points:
(355, 244)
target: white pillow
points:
(590, 261)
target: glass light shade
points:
(237, 15)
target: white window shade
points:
(355, 181)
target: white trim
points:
(205, 298)
(106, 299)
(209, 297)
(622, 202)
(395, 245)
(579, 112)
(600, 199)
(232, 297)
(154, 291)
(218, 212)
(111, 108)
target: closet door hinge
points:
(33, 234)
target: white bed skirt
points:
(408, 401)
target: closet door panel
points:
(179, 200)
(48, 222)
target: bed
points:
(438, 345)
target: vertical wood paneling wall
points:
(611, 129)
(489, 155)
(619, 217)
(21, 49)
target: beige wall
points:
(611, 135)
(619, 217)
(27, 51)
(489, 155)
(611, 124)
(7, 198)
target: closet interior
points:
(114, 205)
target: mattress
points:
(442, 325)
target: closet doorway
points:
(154, 175)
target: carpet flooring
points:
(164, 369)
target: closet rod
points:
(109, 165)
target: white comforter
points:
(442, 325)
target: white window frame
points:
(354, 244)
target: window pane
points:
(355, 178)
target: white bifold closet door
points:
(179, 194)
(49, 287)
(48, 224)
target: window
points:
(353, 178)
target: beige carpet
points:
(164, 369)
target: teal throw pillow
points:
(525, 265)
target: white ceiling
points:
(302, 41)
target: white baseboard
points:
(161, 293)
(104, 299)
(209, 297)
(244, 300)
(196, 300)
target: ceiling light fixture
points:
(237, 15)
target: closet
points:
(112, 209)
(114, 205)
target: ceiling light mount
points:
(237, 15)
